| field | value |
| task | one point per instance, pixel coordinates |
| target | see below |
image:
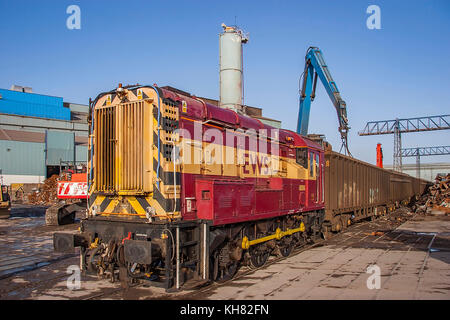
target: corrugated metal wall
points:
(60, 146)
(25, 146)
(33, 105)
(22, 158)
(76, 107)
(81, 153)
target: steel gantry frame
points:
(399, 126)
(424, 151)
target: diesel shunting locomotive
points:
(183, 191)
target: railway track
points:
(109, 293)
(247, 271)
(359, 229)
(26, 287)
(355, 235)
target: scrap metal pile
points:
(47, 192)
(436, 197)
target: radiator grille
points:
(104, 152)
(131, 117)
(123, 148)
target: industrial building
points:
(39, 133)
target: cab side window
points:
(317, 164)
(302, 157)
(311, 164)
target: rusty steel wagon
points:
(356, 190)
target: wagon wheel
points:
(316, 230)
(286, 246)
(326, 232)
(258, 256)
(344, 221)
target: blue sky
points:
(402, 70)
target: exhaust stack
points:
(231, 84)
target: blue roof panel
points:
(33, 105)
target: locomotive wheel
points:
(214, 266)
(120, 256)
(222, 273)
(286, 246)
(258, 256)
(94, 258)
(227, 273)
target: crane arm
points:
(315, 67)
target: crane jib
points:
(315, 67)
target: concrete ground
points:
(413, 257)
(413, 261)
(25, 241)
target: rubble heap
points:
(436, 197)
(47, 192)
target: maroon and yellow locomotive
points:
(183, 190)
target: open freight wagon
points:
(355, 190)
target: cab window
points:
(317, 164)
(311, 164)
(302, 157)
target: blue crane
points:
(315, 66)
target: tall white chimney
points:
(230, 42)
